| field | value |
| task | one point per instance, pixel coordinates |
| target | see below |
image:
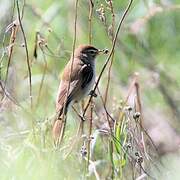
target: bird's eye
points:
(93, 52)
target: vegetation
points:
(131, 129)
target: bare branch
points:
(110, 54)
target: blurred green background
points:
(148, 43)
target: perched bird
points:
(77, 80)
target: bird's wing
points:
(87, 75)
(84, 76)
(61, 98)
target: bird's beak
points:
(103, 51)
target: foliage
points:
(140, 86)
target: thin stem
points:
(112, 58)
(90, 132)
(11, 47)
(91, 5)
(27, 53)
(110, 54)
(72, 62)
(43, 77)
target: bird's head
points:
(87, 53)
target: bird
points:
(77, 82)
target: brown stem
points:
(26, 49)
(43, 77)
(11, 47)
(91, 5)
(112, 59)
(63, 119)
(90, 132)
(110, 54)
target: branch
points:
(111, 52)
(27, 53)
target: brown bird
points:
(77, 80)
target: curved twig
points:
(63, 119)
(27, 53)
(110, 54)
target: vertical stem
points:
(11, 47)
(112, 58)
(63, 119)
(111, 157)
(108, 84)
(138, 100)
(91, 5)
(26, 49)
(90, 132)
(43, 77)
(110, 53)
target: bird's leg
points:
(82, 119)
(78, 114)
(81, 125)
(92, 93)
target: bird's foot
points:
(82, 118)
(92, 93)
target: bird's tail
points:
(59, 124)
(58, 131)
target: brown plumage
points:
(80, 82)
